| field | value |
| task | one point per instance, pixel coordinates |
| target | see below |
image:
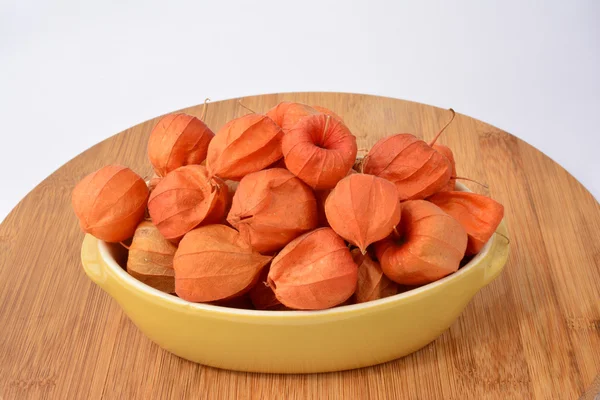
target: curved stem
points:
(444, 128)
(204, 109)
(504, 236)
(362, 163)
(470, 180)
(247, 108)
(124, 245)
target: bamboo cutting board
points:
(534, 333)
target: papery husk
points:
(320, 150)
(315, 271)
(178, 139)
(244, 145)
(186, 198)
(150, 258)
(271, 208)
(321, 196)
(221, 206)
(110, 203)
(363, 209)
(479, 215)
(447, 152)
(263, 297)
(431, 245)
(417, 170)
(214, 262)
(287, 114)
(372, 283)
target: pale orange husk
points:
(244, 145)
(186, 198)
(178, 139)
(222, 204)
(150, 258)
(447, 152)
(287, 114)
(320, 150)
(315, 271)
(431, 245)
(417, 170)
(110, 203)
(271, 208)
(321, 196)
(478, 214)
(372, 283)
(214, 262)
(363, 209)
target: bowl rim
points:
(121, 273)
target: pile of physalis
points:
(274, 212)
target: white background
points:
(73, 73)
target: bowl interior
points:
(115, 257)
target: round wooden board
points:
(533, 333)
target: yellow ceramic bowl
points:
(295, 341)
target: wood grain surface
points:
(534, 333)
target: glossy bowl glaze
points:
(341, 338)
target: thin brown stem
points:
(327, 118)
(460, 178)
(504, 236)
(124, 245)
(204, 109)
(444, 128)
(362, 164)
(247, 108)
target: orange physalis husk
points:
(327, 111)
(446, 152)
(320, 150)
(416, 169)
(363, 209)
(177, 140)
(110, 203)
(150, 258)
(214, 262)
(430, 246)
(262, 295)
(372, 283)
(186, 198)
(478, 214)
(244, 145)
(287, 114)
(271, 208)
(313, 272)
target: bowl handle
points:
(93, 265)
(499, 255)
